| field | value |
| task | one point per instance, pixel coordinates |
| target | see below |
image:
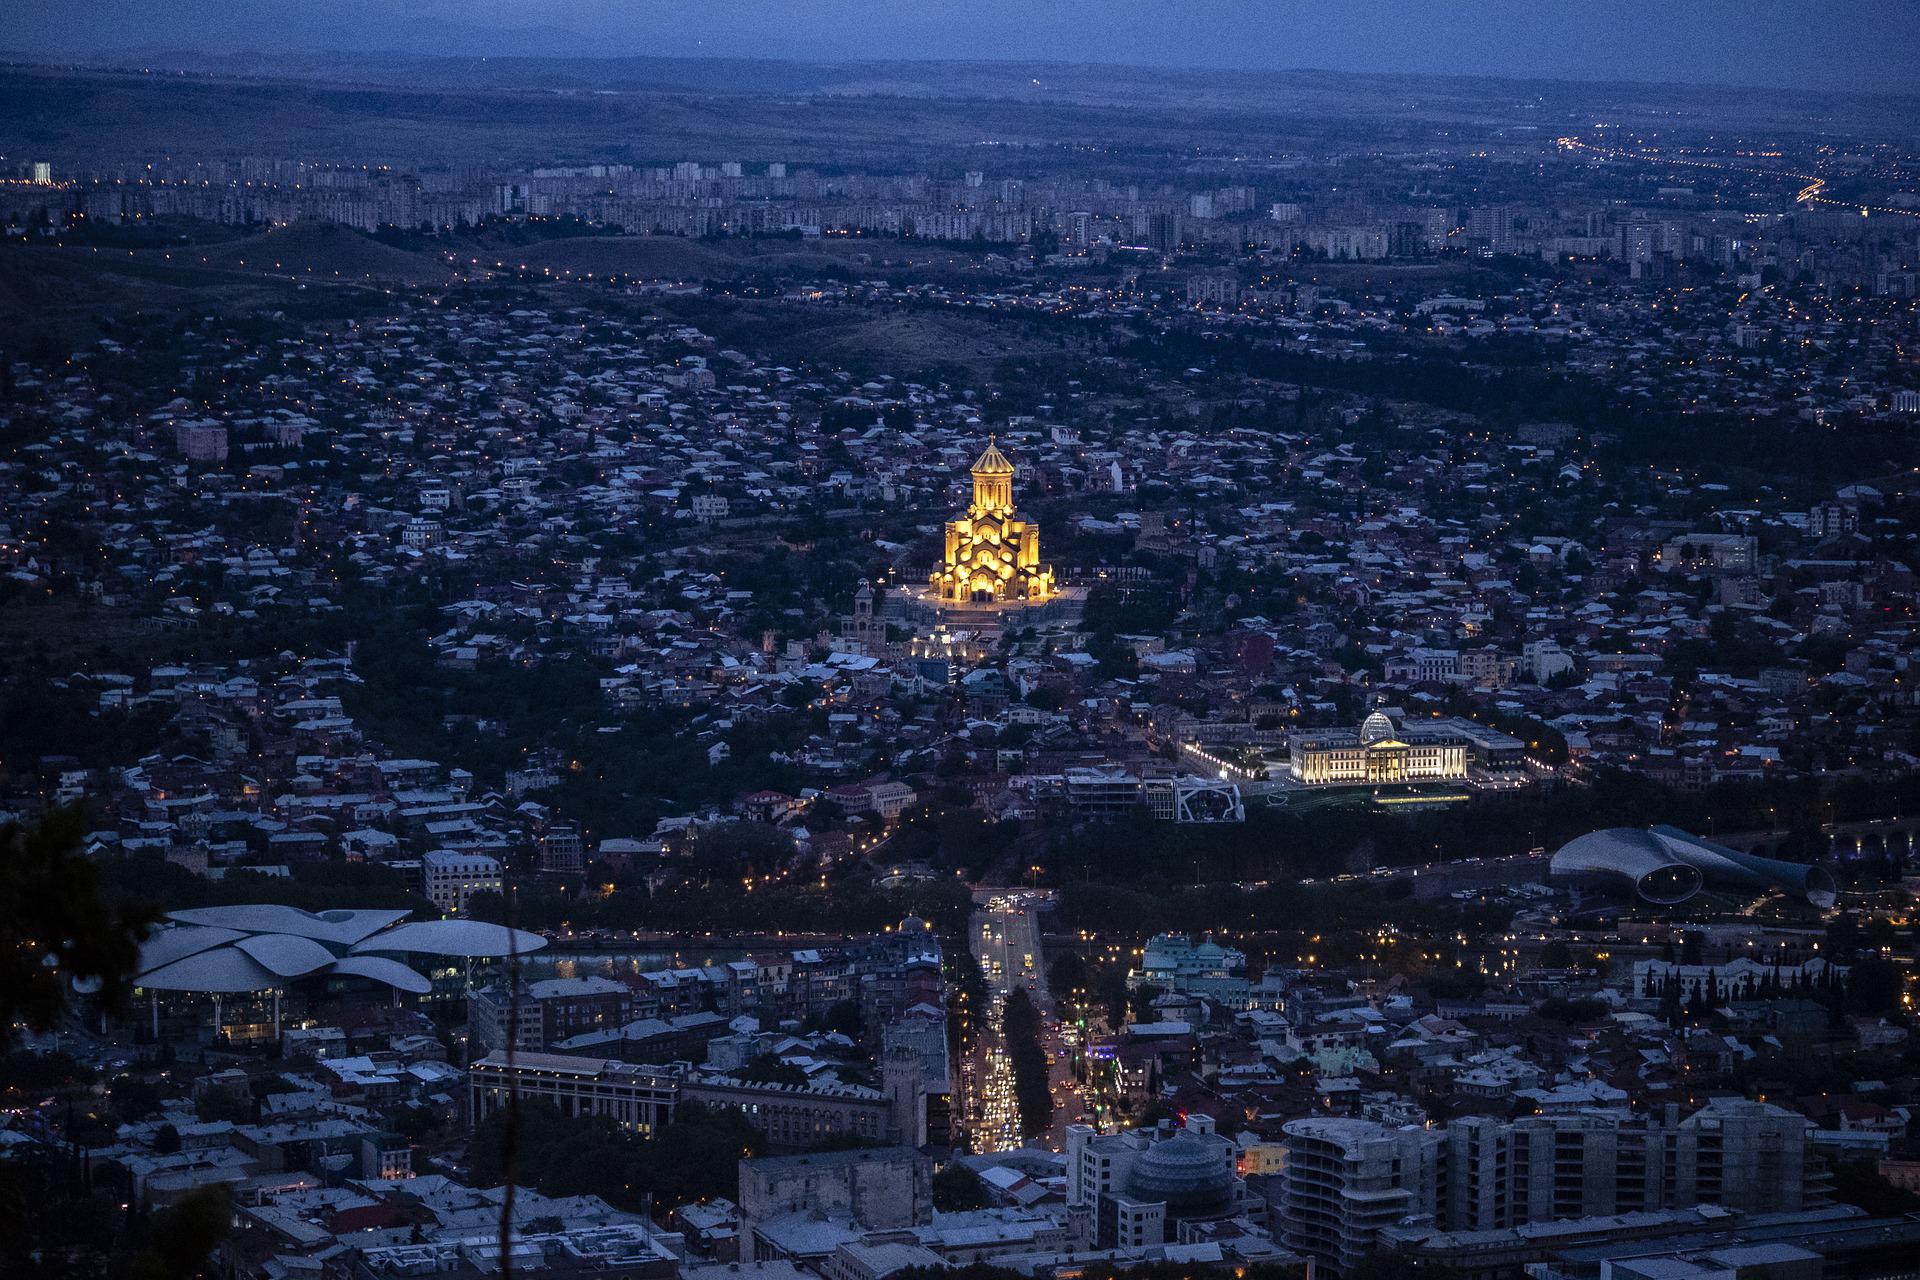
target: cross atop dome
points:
(992, 462)
(992, 482)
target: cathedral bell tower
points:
(992, 483)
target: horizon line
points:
(111, 60)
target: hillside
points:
(323, 250)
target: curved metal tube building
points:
(1666, 866)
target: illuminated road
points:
(1808, 194)
(1005, 938)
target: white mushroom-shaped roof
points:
(468, 938)
(340, 925)
(164, 946)
(286, 955)
(381, 969)
(218, 950)
(221, 971)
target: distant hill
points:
(644, 257)
(564, 61)
(326, 250)
(62, 299)
(931, 116)
(671, 257)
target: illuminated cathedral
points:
(992, 554)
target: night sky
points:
(1830, 44)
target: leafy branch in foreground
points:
(57, 925)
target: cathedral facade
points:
(992, 553)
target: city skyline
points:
(637, 661)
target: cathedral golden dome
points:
(992, 462)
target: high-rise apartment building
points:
(1346, 1180)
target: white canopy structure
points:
(339, 925)
(235, 950)
(474, 939)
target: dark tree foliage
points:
(968, 999)
(1874, 986)
(767, 1069)
(1020, 1022)
(133, 1098)
(51, 1226)
(53, 911)
(843, 1016)
(1573, 1012)
(24, 1073)
(181, 1238)
(695, 1156)
(956, 1189)
(1860, 1183)
(1194, 909)
(851, 902)
(313, 886)
(1308, 839)
(1089, 988)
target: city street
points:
(1005, 938)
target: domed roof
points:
(992, 462)
(1377, 727)
(1191, 1173)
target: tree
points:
(765, 1068)
(844, 1017)
(181, 1238)
(1860, 1183)
(1874, 986)
(1559, 1009)
(26, 1072)
(695, 1156)
(1032, 1092)
(957, 1189)
(225, 1104)
(57, 925)
(133, 1098)
(1141, 1003)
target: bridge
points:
(1846, 841)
